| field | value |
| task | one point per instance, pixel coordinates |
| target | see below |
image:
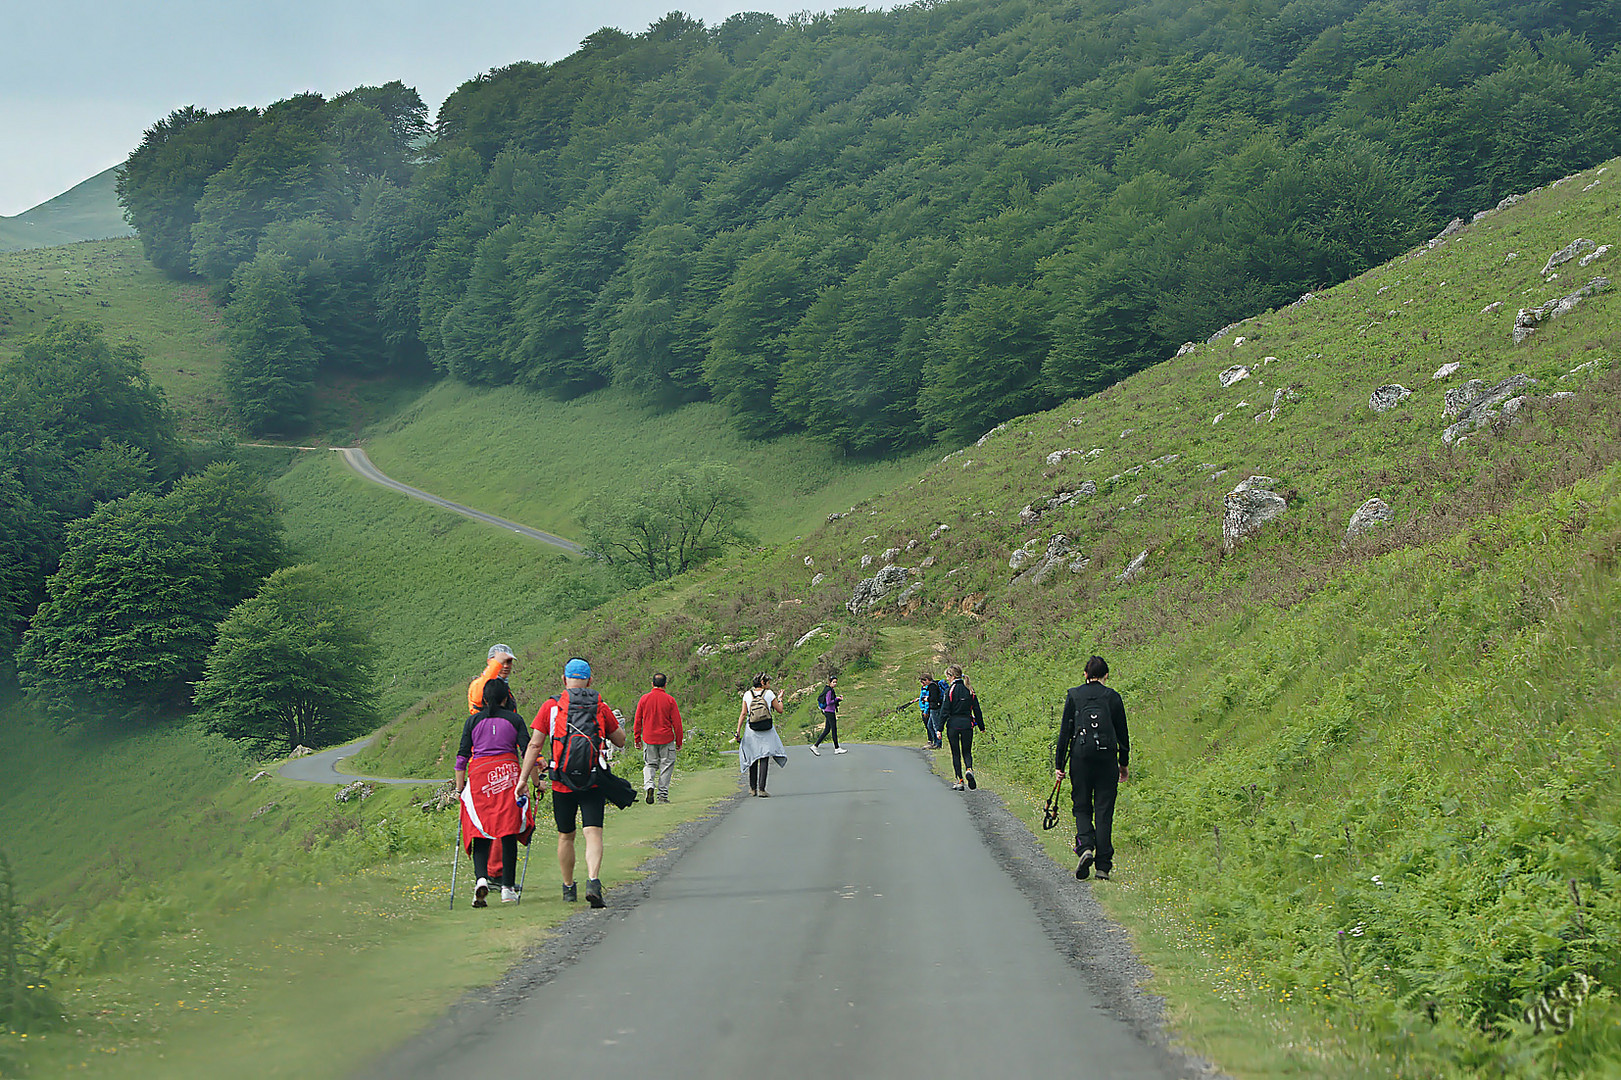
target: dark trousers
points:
(962, 749)
(1094, 783)
(757, 772)
(509, 858)
(830, 729)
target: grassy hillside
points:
(86, 211)
(108, 282)
(1375, 783)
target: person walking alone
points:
(573, 726)
(1095, 747)
(657, 730)
(962, 715)
(829, 703)
(758, 743)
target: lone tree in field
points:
(684, 516)
(292, 666)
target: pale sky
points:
(80, 80)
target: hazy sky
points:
(80, 80)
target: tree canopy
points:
(879, 227)
(684, 515)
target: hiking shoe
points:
(840, 750)
(664, 796)
(764, 794)
(971, 784)
(480, 892)
(649, 796)
(956, 785)
(593, 893)
(1103, 875)
(1084, 870)
(753, 792)
(508, 894)
(815, 751)
(571, 893)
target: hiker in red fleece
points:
(657, 730)
(487, 766)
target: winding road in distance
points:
(360, 463)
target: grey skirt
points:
(760, 744)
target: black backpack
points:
(1094, 727)
(579, 758)
(937, 695)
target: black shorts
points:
(590, 805)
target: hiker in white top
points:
(758, 743)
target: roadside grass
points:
(320, 943)
(175, 324)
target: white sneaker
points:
(840, 750)
(508, 895)
(815, 751)
(480, 891)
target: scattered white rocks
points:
(1059, 455)
(869, 539)
(260, 775)
(988, 434)
(1594, 256)
(1591, 186)
(1128, 431)
(1446, 371)
(359, 791)
(1280, 397)
(927, 563)
(1476, 412)
(300, 751)
(724, 648)
(890, 554)
(1235, 374)
(1139, 500)
(1237, 341)
(1370, 515)
(817, 580)
(807, 560)
(1168, 459)
(1032, 513)
(831, 518)
(939, 532)
(866, 561)
(1217, 419)
(1387, 397)
(1591, 365)
(1187, 347)
(1455, 227)
(1094, 452)
(1492, 308)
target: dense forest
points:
(881, 228)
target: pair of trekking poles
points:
(455, 859)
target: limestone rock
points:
(890, 554)
(927, 562)
(1168, 459)
(1594, 256)
(1459, 398)
(1223, 332)
(1455, 227)
(1446, 371)
(870, 592)
(807, 560)
(300, 751)
(812, 632)
(1482, 409)
(1280, 397)
(1059, 455)
(866, 561)
(1577, 247)
(1187, 347)
(260, 775)
(358, 791)
(817, 580)
(1247, 507)
(1387, 397)
(1235, 374)
(988, 434)
(1133, 567)
(1527, 321)
(1492, 308)
(1370, 515)
(939, 531)
(909, 594)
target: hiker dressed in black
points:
(961, 715)
(1094, 748)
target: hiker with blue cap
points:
(578, 722)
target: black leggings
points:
(962, 749)
(757, 774)
(509, 858)
(830, 728)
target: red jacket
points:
(658, 720)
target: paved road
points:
(318, 768)
(854, 925)
(360, 463)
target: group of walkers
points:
(501, 758)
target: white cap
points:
(502, 650)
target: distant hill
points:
(87, 211)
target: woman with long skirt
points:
(758, 743)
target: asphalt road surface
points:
(318, 768)
(360, 463)
(865, 921)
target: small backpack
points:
(1094, 728)
(759, 712)
(579, 760)
(937, 695)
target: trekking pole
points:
(456, 841)
(523, 877)
(1049, 813)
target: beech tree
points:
(684, 516)
(292, 666)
